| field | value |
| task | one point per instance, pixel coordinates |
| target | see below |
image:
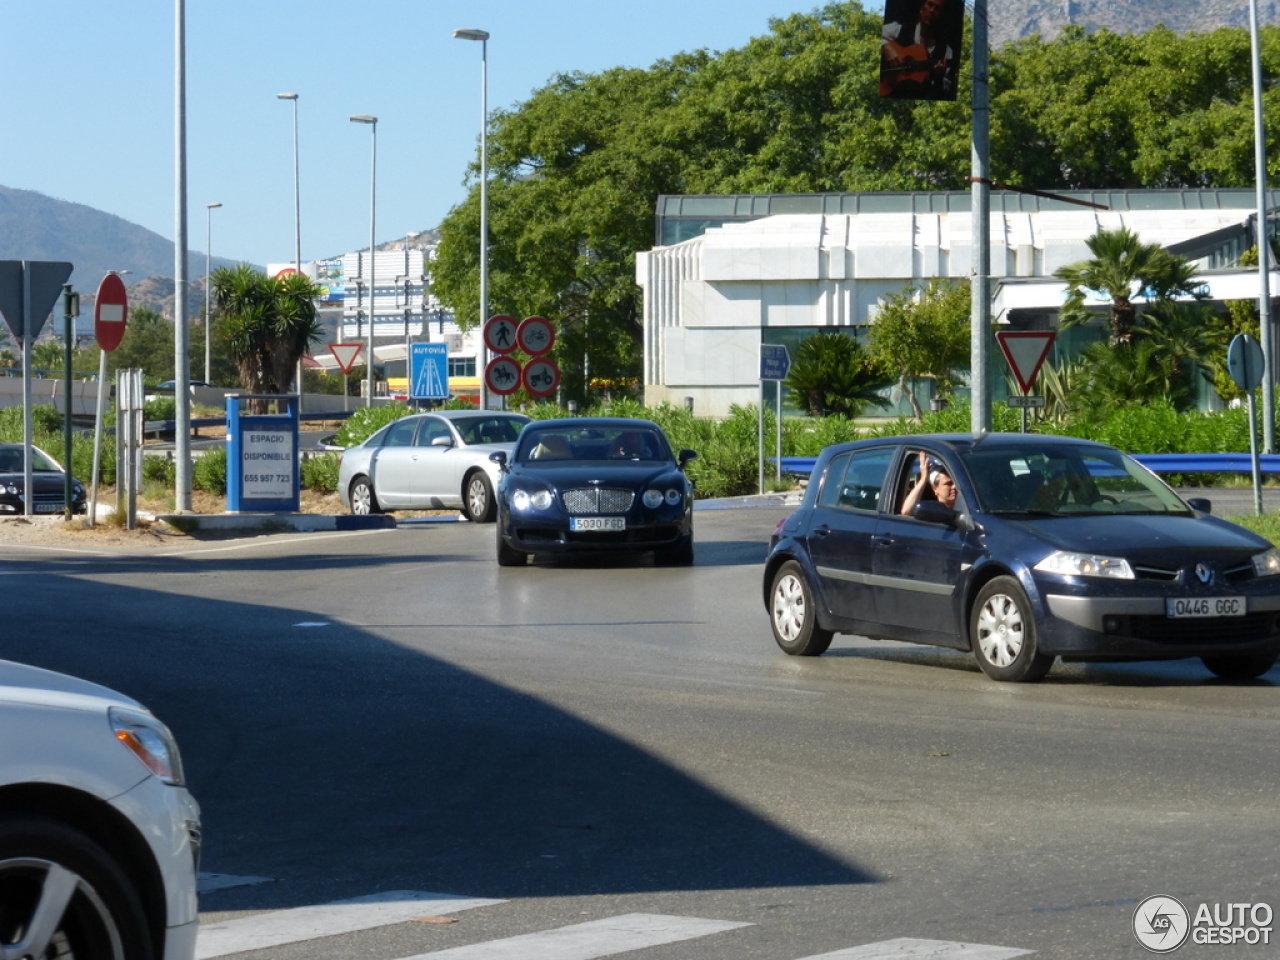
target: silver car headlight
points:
(1267, 563)
(537, 500)
(1067, 563)
(150, 741)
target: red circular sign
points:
(502, 375)
(536, 336)
(500, 333)
(541, 377)
(110, 312)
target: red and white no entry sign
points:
(110, 312)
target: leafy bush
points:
(321, 472)
(209, 473)
(366, 421)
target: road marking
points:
(588, 941)
(300, 924)
(910, 949)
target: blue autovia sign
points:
(429, 371)
(775, 362)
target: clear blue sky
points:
(87, 102)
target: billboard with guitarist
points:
(920, 49)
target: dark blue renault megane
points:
(594, 484)
(1020, 548)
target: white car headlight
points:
(1267, 563)
(1069, 564)
(150, 741)
(652, 498)
(524, 500)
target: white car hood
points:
(20, 683)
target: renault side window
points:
(855, 483)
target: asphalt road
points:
(390, 711)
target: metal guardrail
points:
(1155, 462)
(200, 423)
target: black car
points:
(48, 478)
(594, 484)
(1052, 547)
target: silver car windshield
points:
(1065, 481)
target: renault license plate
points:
(597, 523)
(1191, 607)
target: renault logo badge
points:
(1203, 573)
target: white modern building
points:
(731, 273)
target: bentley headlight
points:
(652, 498)
(1069, 564)
(1267, 563)
(674, 496)
(525, 500)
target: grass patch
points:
(1267, 525)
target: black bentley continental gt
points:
(594, 484)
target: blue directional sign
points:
(775, 362)
(429, 371)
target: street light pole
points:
(483, 37)
(208, 267)
(373, 206)
(297, 217)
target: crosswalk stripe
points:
(326, 920)
(906, 948)
(588, 941)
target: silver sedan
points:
(430, 461)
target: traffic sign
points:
(541, 376)
(500, 333)
(775, 362)
(1245, 361)
(502, 375)
(110, 312)
(42, 281)
(1027, 402)
(429, 371)
(536, 336)
(344, 354)
(1026, 351)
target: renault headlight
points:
(1066, 563)
(1267, 563)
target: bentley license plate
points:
(1188, 607)
(48, 508)
(597, 523)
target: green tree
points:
(924, 334)
(1121, 267)
(1133, 373)
(1185, 340)
(268, 324)
(147, 345)
(833, 375)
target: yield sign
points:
(345, 354)
(1026, 351)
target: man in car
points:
(937, 479)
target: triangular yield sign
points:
(1026, 351)
(345, 354)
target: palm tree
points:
(1184, 338)
(832, 374)
(268, 324)
(1121, 266)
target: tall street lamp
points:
(373, 206)
(483, 37)
(297, 217)
(208, 267)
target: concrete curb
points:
(273, 522)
